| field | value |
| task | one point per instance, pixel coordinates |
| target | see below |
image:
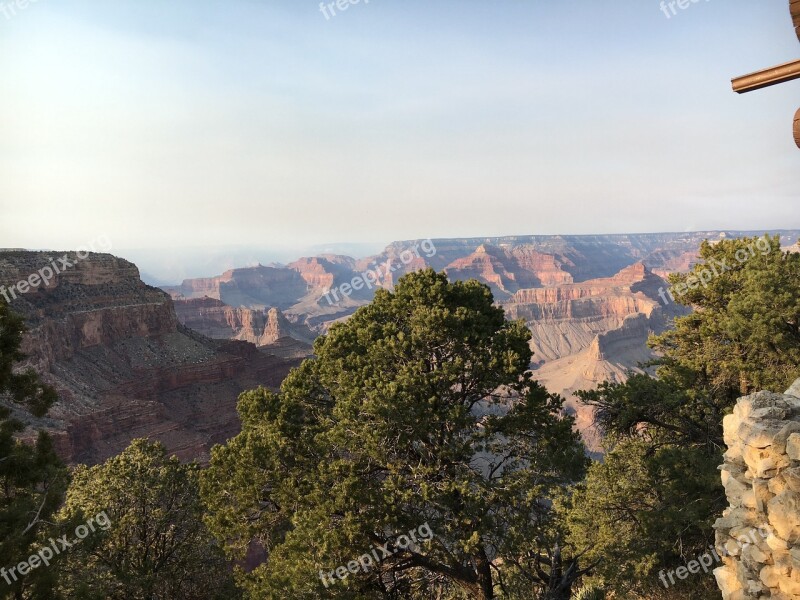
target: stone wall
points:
(758, 536)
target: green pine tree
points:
(155, 544)
(418, 410)
(32, 478)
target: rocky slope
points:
(123, 365)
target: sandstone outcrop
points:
(590, 301)
(594, 331)
(612, 315)
(758, 536)
(512, 266)
(123, 365)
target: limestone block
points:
(748, 535)
(771, 576)
(793, 446)
(764, 462)
(759, 434)
(783, 559)
(762, 494)
(755, 587)
(732, 547)
(767, 467)
(784, 515)
(747, 404)
(727, 581)
(753, 558)
(730, 429)
(781, 437)
(776, 544)
(794, 554)
(737, 516)
(790, 585)
(733, 456)
(734, 490)
(777, 485)
(792, 478)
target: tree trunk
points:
(485, 583)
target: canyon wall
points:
(758, 536)
(123, 365)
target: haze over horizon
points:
(269, 125)
(160, 266)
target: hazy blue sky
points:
(169, 123)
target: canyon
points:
(130, 360)
(591, 302)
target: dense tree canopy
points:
(416, 413)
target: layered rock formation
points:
(594, 331)
(510, 266)
(506, 271)
(567, 319)
(758, 536)
(253, 287)
(590, 301)
(123, 365)
(215, 319)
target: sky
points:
(166, 125)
